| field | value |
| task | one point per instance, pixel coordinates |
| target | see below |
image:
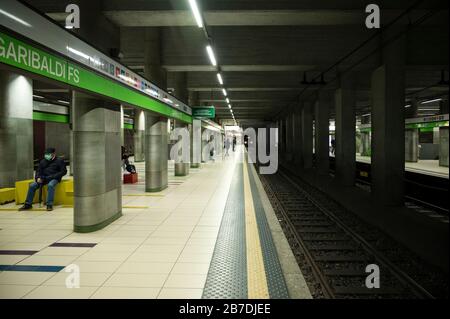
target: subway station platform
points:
(426, 167)
(211, 234)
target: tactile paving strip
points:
(227, 275)
(275, 279)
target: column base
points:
(195, 165)
(92, 228)
(156, 189)
(181, 169)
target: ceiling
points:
(266, 48)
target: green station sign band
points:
(50, 117)
(19, 54)
(423, 127)
(202, 112)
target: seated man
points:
(126, 164)
(50, 171)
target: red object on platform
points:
(130, 178)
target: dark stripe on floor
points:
(274, 274)
(89, 245)
(18, 252)
(31, 268)
(227, 275)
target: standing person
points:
(50, 171)
(234, 142)
(333, 146)
(227, 146)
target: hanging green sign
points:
(204, 112)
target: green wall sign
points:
(26, 57)
(50, 117)
(208, 112)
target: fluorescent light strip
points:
(196, 13)
(224, 92)
(229, 106)
(430, 101)
(83, 55)
(212, 58)
(13, 17)
(219, 77)
(38, 96)
(228, 100)
(61, 101)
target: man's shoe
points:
(25, 207)
(49, 208)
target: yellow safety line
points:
(28, 210)
(134, 206)
(256, 273)
(153, 195)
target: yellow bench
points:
(63, 192)
(7, 195)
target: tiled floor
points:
(161, 248)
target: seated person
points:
(127, 166)
(50, 171)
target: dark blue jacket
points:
(54, 169)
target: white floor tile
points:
(126, 293)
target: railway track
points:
(334, 247)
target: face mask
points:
(48, 157)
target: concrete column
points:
(289, 136)
(181, 169)
(196, 143)
(71, 152)
(298, 136)
(153, 57)
(365, 143)
(443, 107)
(71, 137)
(16, 128)
(443, 146)
(204, 142)
(365, 137)
(282, 136)
(388, 124)
(345, 135)
(322, 120)
(411, 145)
(122, 127)
(139, 135)
(97, 172)
(307, 134)
(156, 153)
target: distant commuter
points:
(227, 146)
(234, 143)
(50, 171)
(333, 146)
